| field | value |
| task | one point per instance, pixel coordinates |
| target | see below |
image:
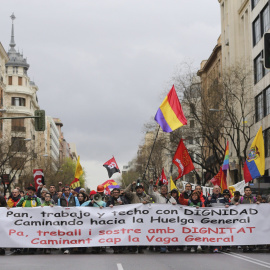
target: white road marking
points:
(248, 259)
(119, 266)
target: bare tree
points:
(14, 158)
(222, 111)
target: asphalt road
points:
(149, 260)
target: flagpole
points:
(169, 184)
(143, 178)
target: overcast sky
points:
(102, 66)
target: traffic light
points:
(40, 120)
(267, 50)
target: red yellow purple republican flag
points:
(110, 184)
(170, 115)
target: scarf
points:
(15, 199)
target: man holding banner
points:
(29, 200)
(163, 198)
(68, 199)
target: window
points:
(9, 80)
(1, 97)
(254, 3)
(191, 123)
(265, 19)
(261, 25)
(19, 80)
(16, 163)
(259, 107)
(262, 104)
(192, 108)
(267, 101)
(18, 144)
(256, 31)
(267, 142)
(189, 140)
(258, 68)
(18, 125)
(16, 101)
(15, 70)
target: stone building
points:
(3, 60)
(260, 24)
(236, 54)
(20, 97)
(210, 73)
(19, 100)
(53, 143)
(235, 32)
(64, 147)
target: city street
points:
(149, 260)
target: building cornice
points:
(211, 57)
(13, 110)
(20, 92)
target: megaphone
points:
(97, 198)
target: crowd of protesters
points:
(134, 193)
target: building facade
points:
(210, 73)
(260, 24)
(235, 32)
(53, 143)
(3, 60)
(236, 48)
(19, 100)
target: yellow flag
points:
(79, 170)
(257, 147)
(173, 186)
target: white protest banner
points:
(134, 224)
